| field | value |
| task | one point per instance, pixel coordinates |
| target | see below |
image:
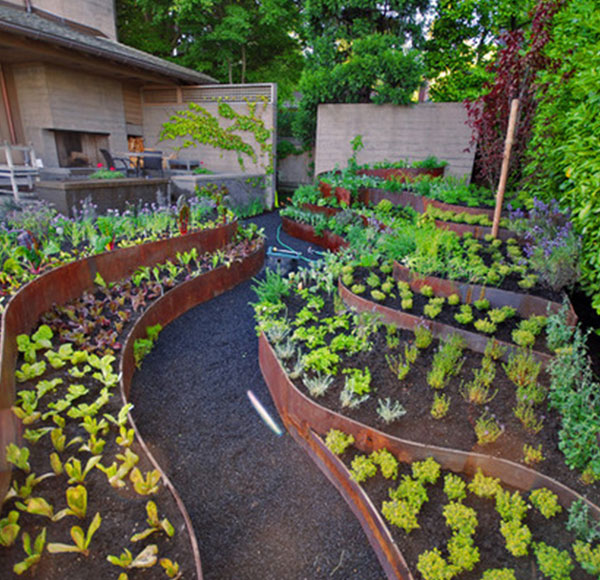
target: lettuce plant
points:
(155, 523)
(9, 529)
(34, 552)
(80, 538)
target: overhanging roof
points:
(16, 21)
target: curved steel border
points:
(525, 304)
(166, 309)
(474, 341)
(301, 415)
(328, 240)
(65, 283)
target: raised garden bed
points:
(197, 289)
(302, 416)
(475, 341)
(306, 232)
(525, 304)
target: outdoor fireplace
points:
(80, 149)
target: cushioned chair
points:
(153, 163)
(119, 163)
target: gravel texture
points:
(260, 507)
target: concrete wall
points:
(216, 160)
(392, 132)
(294, 170)
(52, 97)
(99, 14)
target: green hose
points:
(292, 249)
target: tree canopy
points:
(232, 41)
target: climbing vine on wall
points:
(197, 126)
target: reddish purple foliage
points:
(515, 68)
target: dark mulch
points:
(260, 507)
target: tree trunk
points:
(230, 69)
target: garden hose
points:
(309, 260)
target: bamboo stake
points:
(512, 122)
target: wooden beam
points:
(512, 122)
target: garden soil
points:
(260, 508)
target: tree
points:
(232, 41)
(463, 40)
(359, 51)
(514, 72)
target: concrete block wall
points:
(51, 97)
(394, 133)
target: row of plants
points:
(36, 239)
(542, 260)
(80, 448)
(449, 525)
(503, 323)
(400, 380)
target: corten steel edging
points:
(402, 173)
(419, 203)
(479, 232)
(66, 283)
(173, 304)
(304, 414)
(377, 532)
(525, 304)
(474, 341)
(305, 232)
(325, 210)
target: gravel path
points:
(261, 509)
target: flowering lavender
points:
(551, 245)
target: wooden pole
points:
(512, 122)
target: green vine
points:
(198, 126)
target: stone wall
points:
(394, 133)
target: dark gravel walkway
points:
(261, 509)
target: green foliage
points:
(532, 455)
(18, 456)
(499, 574)
(356, 55)
(432, 566)
(197, 126)
(487, 429)
(517, 536)
(423, 336)
(34, 553)
(511, 507)
(145, 485)
(81, 539)
(545, 501)
(588, 557)
(143, 346)
(9, 529)
(387, 463)
(145, 559)
(454, 487)
(566, 133)
(440, 406)
(363, 468)
(484, 486)
(553, 563)
(581, 523)
(155, 523)
(460, 518)
(389, 411)
(426, 471)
